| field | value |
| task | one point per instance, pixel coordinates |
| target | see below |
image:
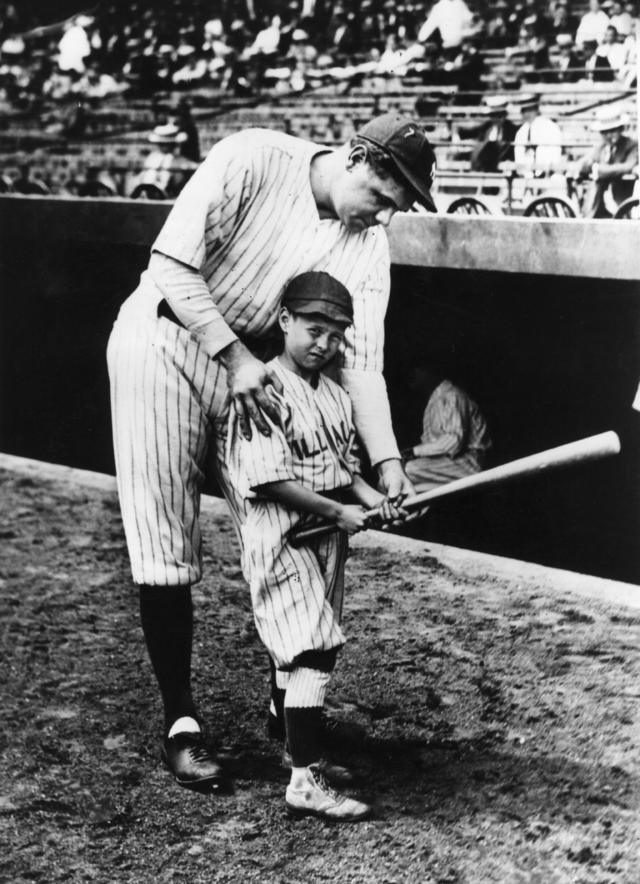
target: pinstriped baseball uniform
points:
(297, 594)
(248, 223)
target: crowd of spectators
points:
(144, 47)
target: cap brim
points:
(321, 308)
(423, 194)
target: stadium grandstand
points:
(122, 99)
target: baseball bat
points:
(581, 451)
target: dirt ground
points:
(502, 720)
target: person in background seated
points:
(538, 141)
(494, 136)
(455, 438)
(615, 157)
(596, 64)
(566, 63)
(163, 167)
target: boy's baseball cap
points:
(409, 148)
(319, 292)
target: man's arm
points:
(607, 171)
(361, 374)
(448, 444)
(188, 296)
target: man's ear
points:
(357, 155)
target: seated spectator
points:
(74, 46)
(454, 439)
(613, 158)
(29, 183)
(97, 183)
(596, 64)
(183, 119)
(628, 75)
(193, 71)
(592, 25)
(620, 19)
(532, 46)
(496, 28)
(452, 19)
(538, 141)
(465, 70)
(567, 65)
(562, 21)
(163, 167)
(613, 50)
(494, 136)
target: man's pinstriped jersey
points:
(248, 222)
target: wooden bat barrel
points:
(573, 453)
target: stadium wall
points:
(539, 320)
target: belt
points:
(262, 348)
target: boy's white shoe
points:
(313, 796)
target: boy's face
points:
(310, 340)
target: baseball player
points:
(262, 208)
(305, 466)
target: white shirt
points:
(592, 27)
(538, 143)
(452, 18)
(73, 48)
(622, 23)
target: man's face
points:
(594, 5)
(311, 340)
(362, 199)
(612, 136)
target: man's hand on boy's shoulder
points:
(250, 384)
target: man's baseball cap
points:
(319, 292)
(410, 150)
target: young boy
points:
(305, 469)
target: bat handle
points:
(299, 538)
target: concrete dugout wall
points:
(538, 320)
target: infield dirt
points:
(502, 720)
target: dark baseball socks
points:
(166, 615)
(303, 704)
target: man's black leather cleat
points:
(191, 762)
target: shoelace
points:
(323, 783)
(200, 752)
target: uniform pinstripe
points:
(297, 594)
(248, 222)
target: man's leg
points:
(163, 390)
(166, 616)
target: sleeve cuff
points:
(215, 336)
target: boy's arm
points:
(349, 518)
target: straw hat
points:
(167, 134)
(608, 118)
